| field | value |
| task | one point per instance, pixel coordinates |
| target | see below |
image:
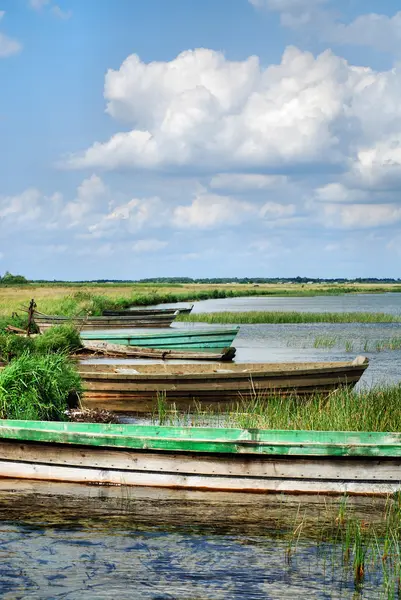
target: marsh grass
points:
(38, 387)
(375, 409)
(278, 317)
(365, 549)
(88, 298)
(351, 345)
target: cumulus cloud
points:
(8, 45)
(92, 197)
(202, 109)
(210, 210)
(246, 181)
(319, 19)
(237, 119)
(361, 216)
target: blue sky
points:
(200, 138)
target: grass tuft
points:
(38, 387)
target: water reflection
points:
(167, 545)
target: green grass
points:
(61, 339)
(38, 387)
(375, 409)
(277, 317)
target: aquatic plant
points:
(38, 387)
(277, 317)
(374, 409)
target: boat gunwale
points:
(92, 373)
(331, 444)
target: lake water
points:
(61, 542)
(388, 303)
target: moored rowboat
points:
(236, 460)
(124, 322)
(178, 339)
(146, 311)
(134, 388)
(120, 351)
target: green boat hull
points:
(201, 340)
(235, 460)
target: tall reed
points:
(277, 317)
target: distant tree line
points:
(10, 279)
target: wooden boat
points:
(177, 339)
(120, 351)
(146, 311)
(125, 322)
(235, 460)
(134, 388)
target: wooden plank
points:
(237, 465)
(22, 470)
(117, 350)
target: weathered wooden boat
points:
(236, 460)
(134, 388)
(119, 351)
(177, 339)
(124, 322)
(146, 311)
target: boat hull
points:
(119, 351)
(90, 323)
(204, 459)
(185, 339)
(146, 311)
(135, 388)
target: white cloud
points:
(210, 210)
(316, 17)
(338, 192)
(274, 210)
(246, 181)
(149, 245)
(91, 198)
(361, 216)
(201, 109)
(8, 46)
(55, 9)
(128, 218)
(38, 4)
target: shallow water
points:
(389, 303)
(167, 545)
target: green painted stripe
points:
(205, 439)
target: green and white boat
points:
(202, 458)
(178, 339)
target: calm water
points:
(169, 545)
(388, 303)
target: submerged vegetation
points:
(38, 387)
(277, 317)
(375, 409)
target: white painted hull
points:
(234, 473)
